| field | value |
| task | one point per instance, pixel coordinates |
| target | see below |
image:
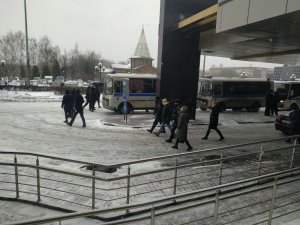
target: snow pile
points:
(28, 96)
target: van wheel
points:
(121, 108)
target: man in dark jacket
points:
(78, 108)
(214, 122)
(97, 95)
(175, 115)
(269, 101)
(165, 116)
(157, 113)
(295, 120)
(67, 105)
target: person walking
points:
(67, 104)
(269, 102)
(294, 125)
(175, 115)
(87, 97)
(182, 128)
(79, 109)
(214, 122)
(92, 99)
(97, 94)
(275, 101)
(165, 117)
(157, 113)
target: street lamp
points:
(244, 74)
(99, 69)
(2, 65)
(293, 77)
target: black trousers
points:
(216, 129)
(81, 115)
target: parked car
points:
(16, 83)
(282, 123)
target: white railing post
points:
(93, 187)
(128, 187)
(38, 183)
(259, 160)
(16, 177)
(175, 176)
(221, 169)
(216, 207)
(152, 215)
(293, 153)
(272, 202)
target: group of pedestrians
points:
(272, 100)
(178, 114)
(92, 96)
(72, 105)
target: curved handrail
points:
(157, 201)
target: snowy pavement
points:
(33, 122)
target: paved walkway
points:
(39, 128)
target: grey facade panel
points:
(219, 19)
(293, 5)
(234, 14)
(264, 9)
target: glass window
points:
(108, 86)
(206, 89)
(295, 90)
(140, 85)
(118, 87)
(136, 85)
(218, 89)
(149, 86)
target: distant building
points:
(285, 72)
(140, 62)
(251, 72)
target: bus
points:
(140, 92)
(289, 94)
(233, 93)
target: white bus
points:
(289, 93)
(233, 93)
(140, 91)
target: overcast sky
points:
(109, 27)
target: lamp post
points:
(244, 74)
(26, 36)
(99, 69)
(2, 67)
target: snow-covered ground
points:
(33, 122)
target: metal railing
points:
(212, 209)
(75, 189)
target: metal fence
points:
(261, 204)
(56, 181)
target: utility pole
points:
(26, 35)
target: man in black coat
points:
(175, 115)
(165, 116)
(214, 122)
(157, 113)
(67, 105)
(78, 108)
(269, 102)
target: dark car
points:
(282, 123)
